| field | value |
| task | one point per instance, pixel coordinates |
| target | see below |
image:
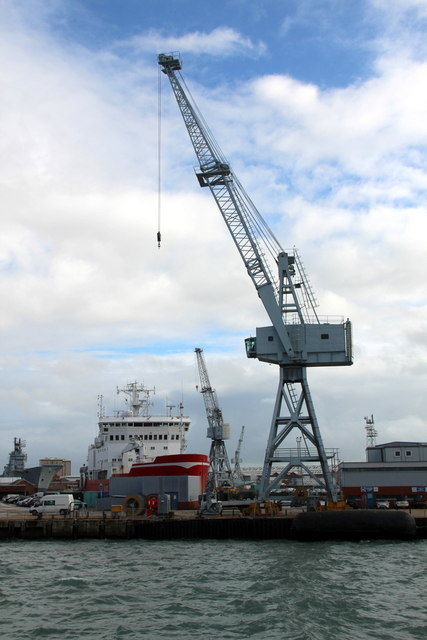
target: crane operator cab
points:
(315, 345)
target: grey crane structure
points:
(237, 472)
(297, 338)
(220, 473)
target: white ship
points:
(133, 435)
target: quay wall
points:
(311, 526)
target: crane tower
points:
(220, 474)
(297, 337)
(237, 471)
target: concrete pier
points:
(356, 525)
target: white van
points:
(61, 503)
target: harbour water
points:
(231, 589)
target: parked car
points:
(31, 500)
(8, 497)
(23, 502)
(383, 504)
(402, 504)
(77, 505)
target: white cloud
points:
(375, 120)
(85, 287)
(222, 41)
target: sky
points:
(320, 107)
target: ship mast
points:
(138, 403)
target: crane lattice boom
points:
(220, 475)
(213, 412)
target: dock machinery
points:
(296, 338)
(220, 475)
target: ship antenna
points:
(101, 406)
(170, 407)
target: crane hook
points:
(159, 238)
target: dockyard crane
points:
(237, 472)
(297, 337)
(220, 474)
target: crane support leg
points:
(292, 411)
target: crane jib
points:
(287, 295)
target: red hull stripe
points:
(184, 464)
(164, 465)
(166, 470)
(180, 458)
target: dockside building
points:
(393, 471)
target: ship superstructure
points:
(40, 476)
(17, 459)
(134, 434)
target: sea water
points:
(266, 590)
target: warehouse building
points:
(393, 472)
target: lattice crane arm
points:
(287, 295)
(213, 411)
(253, 238)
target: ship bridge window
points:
(324, 336)
(397, 454)
(150, 437)
(122, 437)
(111, 437)
(155, 436)
(160, 436)
(117, 437)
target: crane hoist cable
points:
(159, 156)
